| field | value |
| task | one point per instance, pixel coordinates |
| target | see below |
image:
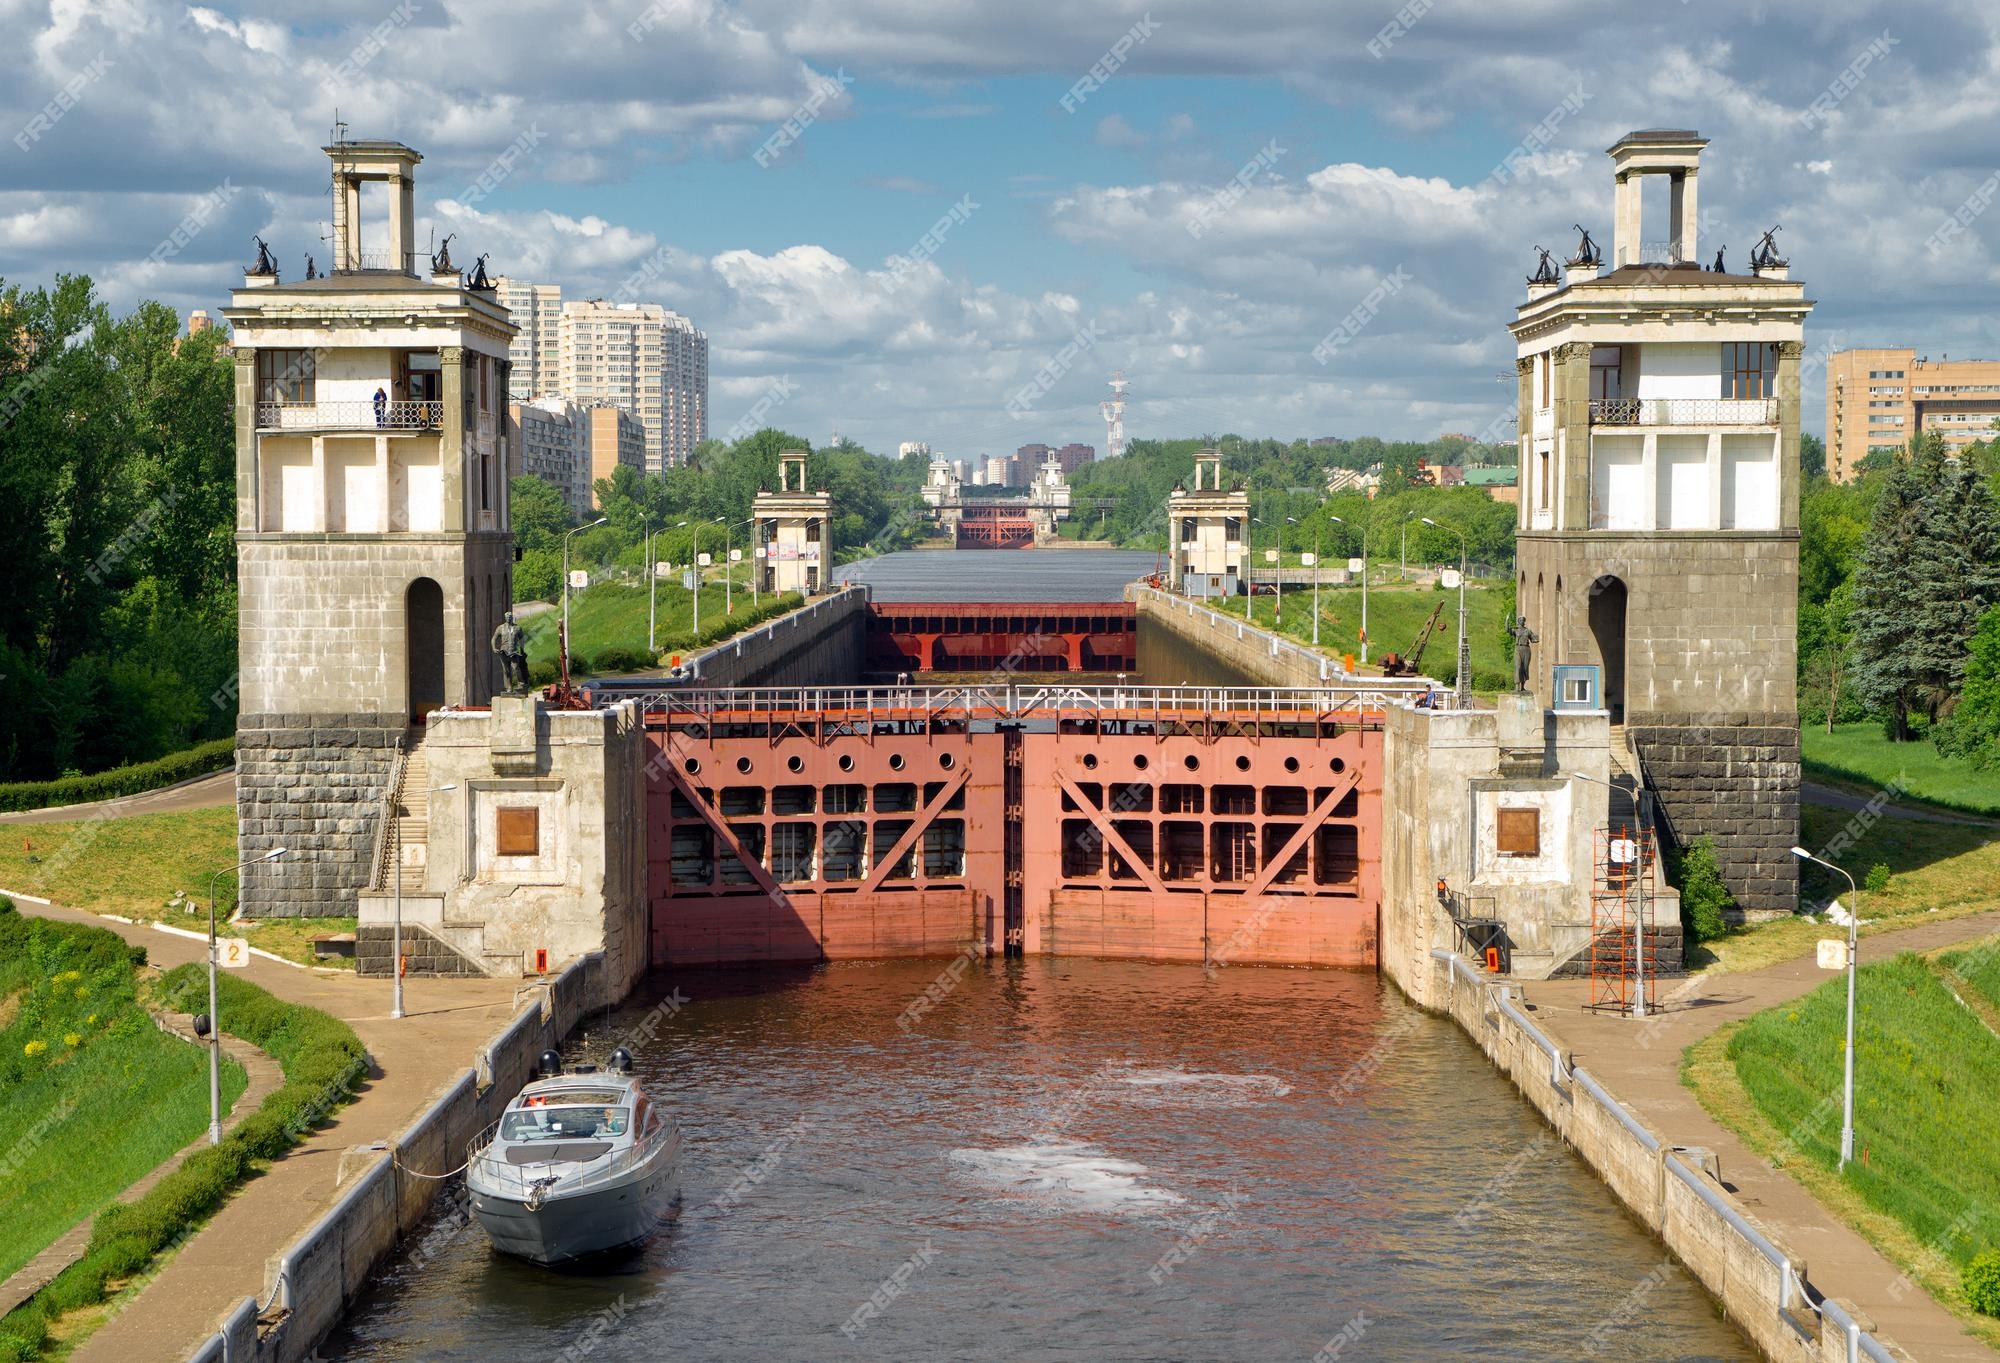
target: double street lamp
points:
(1853, 930)
(565, 623)
(1464, 685)
(214, 1018)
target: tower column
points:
(451, 438)
(1570, 374)
(246, 440)
(1625, 220)
(1681, 210)
(1787, 389)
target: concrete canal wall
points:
(1673, 1191)
(1263, 658)
(819, 644)
(383, 1193)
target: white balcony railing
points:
(331, 416)
(1683, 411)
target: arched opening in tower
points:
(1607, 628)
(423, 646)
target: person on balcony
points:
(381, 407)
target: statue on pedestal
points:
(1524, 639)
(511, 643)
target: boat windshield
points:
(564, 1123)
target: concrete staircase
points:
(429, 945)
(411, 810)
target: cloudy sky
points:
(968, 219)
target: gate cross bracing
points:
(1184, 823)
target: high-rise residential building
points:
(910, 447)
(1033, 455)
(615, 437)
(684, 389)
(536, 351)
(646, 359)
(1878, 399)
(553, 435)
(1074, 456)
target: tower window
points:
(1749, 369)
(1605, 363)
(285, 375)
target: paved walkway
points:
(1832, 798)
(1646, 1078)
(265, 1079)
(447, 1022)
(204, 792)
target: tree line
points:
(118, 474)
(1899, 596)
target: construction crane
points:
(1396, 665)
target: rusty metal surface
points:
(1160, 823)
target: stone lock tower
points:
(374, 549)
(794, 530)
(1207, 530)
(1659, 515)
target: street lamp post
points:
(1853, 938)
(653, 588)
(396, 931)
(728, 577)
(564, 641)
(1279, 618)
(1316, 530)
(1645, 805)
(1464, 687)
(214, 1018)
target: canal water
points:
(1070, 1160)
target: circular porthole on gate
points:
(795, 763)
(743, 765)
(1191, 762)
(1242, 763)
(691, 767)
(946, 760)
(1339, 764)
(1292, 764)
(1090, 761)
(1139, 762)
(895, 761)
(847, 761)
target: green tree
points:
(539, 511)
(1972, 729)
(1929, 569)
(1812, 457)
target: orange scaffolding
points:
(1622, 886)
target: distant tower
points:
(1114, 417)
(1659, 516)
(1205, 532)
(794, 549)
(373, 540)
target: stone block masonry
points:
(314, 785)
(1736, 784)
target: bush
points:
(621, 660)
(1981, 1282)
(105, 785)
(1878, 878)
(1704, 898)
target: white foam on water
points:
(1066, 1176)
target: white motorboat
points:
(581, 1162)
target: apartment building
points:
(683, 388)
(615, 437)
(536, 350)
(1878, 399)
(553, 435)
(644, 358)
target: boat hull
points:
(568, 1226)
